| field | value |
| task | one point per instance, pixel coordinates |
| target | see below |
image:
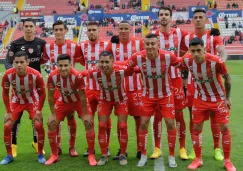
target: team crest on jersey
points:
(153, 70)
(31, 50)
(11, 53)
(58, 84)
(52, 51)
(199, 75)
(117, 49)
(109, 83)
(6, 84)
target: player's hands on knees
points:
(227, 102)
(87, 119)
(7, 117)
(38, 116)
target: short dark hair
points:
(64, 57)
(59, 22)
(29, 20)
(90, 23)
(124, 22)
(199, 10)
(151, 35)
(106, 53)
(167, 9)
(21, 54)
(196, 41)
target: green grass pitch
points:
(26, 159)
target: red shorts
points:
(189, 95)
(93, 98)
(200, 111)
(166, 105)
(134, 102)
(64, 109)
(178, 92)
(105, 108)
(17, 108)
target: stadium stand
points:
(179, 5)
(47, 7)
(224, 3)
(7, 5)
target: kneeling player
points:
(70, 84)
(28, 94)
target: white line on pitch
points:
(158, 163)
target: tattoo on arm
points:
(227, 85)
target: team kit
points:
(160, 75)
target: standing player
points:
(28, 93)
(91, 50)
(34, 48)
(111, 81)
(70, 85)
(154, 65)
(213, 44)
(210, 95)
(122, 51)
(51, 52)
(170, 40)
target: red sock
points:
(137, 122)
(123, 137)
(90, 136)
(197, 143)
(171, 135)
(102, 137)
(157, 126)
(226, 143)
(52, 135)
(181, 128)
(118, 133)
(191, 123)
(109, 126)
(59, 131)
(40, 136)
(215, 132)
(143, 136)
(7, 138)
(72, 128)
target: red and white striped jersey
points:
(171, 42)
(91, 52)
(155, 73)
(52, 50)
(24, 87)
(112, 86)
(207, 77)
(123, 52)
(68, 87)
(210, 42)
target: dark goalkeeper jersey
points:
(34, 50)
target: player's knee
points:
(52, 126)
(143, 125)
(102, 125)
(38, 126)
(170, 123)
(8, 126)
(71, 116)
(122, 126)
(223, 128)
(197, 127)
